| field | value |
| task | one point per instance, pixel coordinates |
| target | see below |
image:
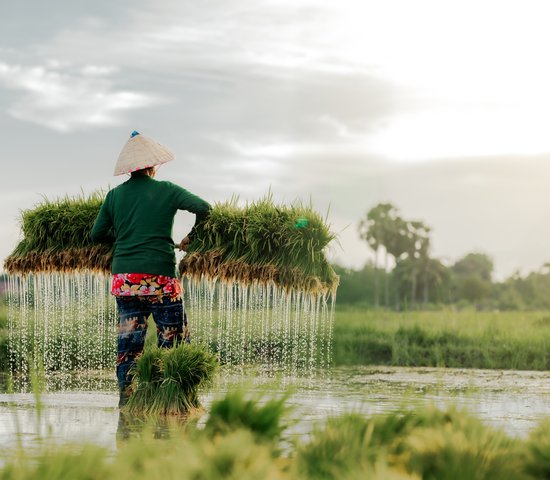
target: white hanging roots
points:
(280, 329)
(65, 324)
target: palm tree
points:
(378, 230)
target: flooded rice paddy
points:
(514, 401)
(68, 335)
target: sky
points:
(439, 107)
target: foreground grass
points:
(238, 442)
(465, 339)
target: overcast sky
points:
(440, 107)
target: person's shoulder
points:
(113, 191)
(120, 186)
(168, 185)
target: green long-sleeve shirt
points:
(137, 217)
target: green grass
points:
(537, 454)
(465, 339)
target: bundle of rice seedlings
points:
(260, 242)
(167, 380)
(196, 457)
(258, 414)
(264, 242)
(56, 237)
(147, 377)
(339, 448)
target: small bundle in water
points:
(167, 380)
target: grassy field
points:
(464, 339)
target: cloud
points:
(64, 99)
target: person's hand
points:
(184, 244)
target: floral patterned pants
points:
(133, 312)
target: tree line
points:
(404, 275)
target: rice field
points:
(461, 339)
(241, 439)
(465, 339)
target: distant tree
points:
(473, 274)
(378, 230)
(529, 292)
(433, 280)
(474, 289)
(411, 243)
(419, 252)
(356, 286)
(506, 296)
(478, 264)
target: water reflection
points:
(158, 426)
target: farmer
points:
(137, 217)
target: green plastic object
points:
(301, 223)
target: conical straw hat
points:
(141, 152)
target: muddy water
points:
(511, 400)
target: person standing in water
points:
(137, 218)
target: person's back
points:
(141, 214)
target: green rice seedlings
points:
(447, 453)
(61, 224)
(236, 455)
(57, 462)
(338, 449)
(428, 442)
(56, 237)
(262, 241)
(147, 379)
(167, 380)
(537, 451)
(259, 414)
